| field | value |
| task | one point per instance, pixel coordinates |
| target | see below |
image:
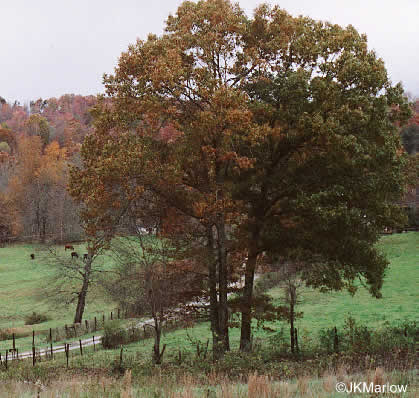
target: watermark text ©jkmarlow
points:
(364, 387)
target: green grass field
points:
(24, 283)
(400, 292)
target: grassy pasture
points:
(321, 310)
(90, 375)
(23, 284)
(400, 292)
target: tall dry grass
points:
(252, 386)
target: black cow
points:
(74, 254)
(33, 256)
(85, 256)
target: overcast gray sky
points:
(49, 47)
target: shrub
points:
(35, 318)
(327, 340)
(396, 337)
(114, 335)
(279, 340)
(356, 338)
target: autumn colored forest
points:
(37, 144)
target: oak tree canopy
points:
(269, 134)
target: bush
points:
(114, 335)
(328, 341)
(35, 318)
(356, 338)
(396, 337)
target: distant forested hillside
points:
(37, 143)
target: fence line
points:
(138, 333)
(72, 329)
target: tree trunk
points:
(292, 299)
(222, 283)
(157, 355)
(38, 221)
(213, 296)
(156, 348)
(81, 302)
(292, 331)
(44, 229)
(246, 322)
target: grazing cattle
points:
(33, 256)
(74, 254)
(68, 247)
(85, 256)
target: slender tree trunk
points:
(222, 283)
(81, 302)
(292, 331)
(293, 299)
(157, 337)
(62, 218)
(247, 299)
(38, 221)
(212, 279)
(44, 229)
(222, 262)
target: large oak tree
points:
(273, 134)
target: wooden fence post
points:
(120, 358)
(6, 360)
(103, 324)
(33, 356)
(95, 324)
(66, 348)
(14, 343)
(17, 353)
(94, 347)
(50, 335)
(118, 313)
(296, 341)
(81, 348)
(52, 351)
(111, 316)
(86, 322)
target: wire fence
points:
(79, 347)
